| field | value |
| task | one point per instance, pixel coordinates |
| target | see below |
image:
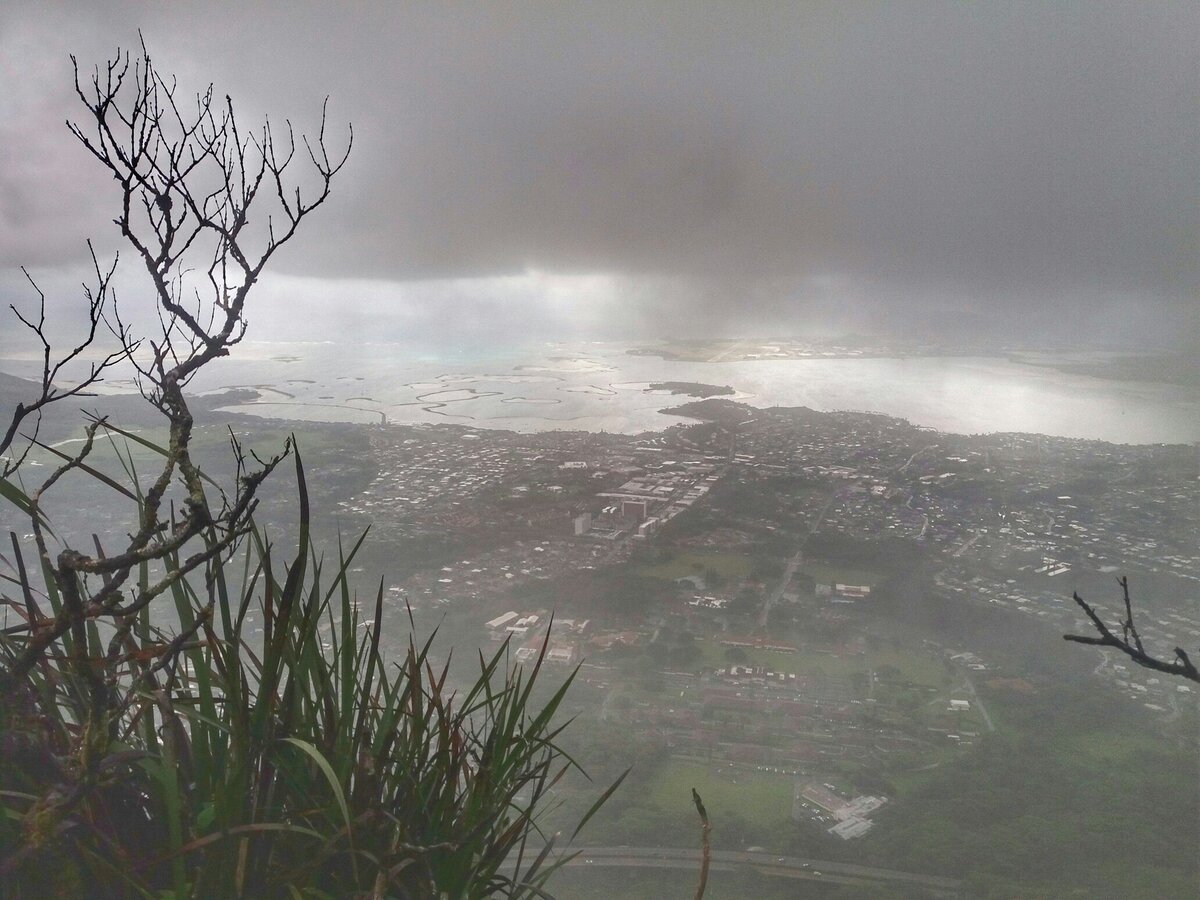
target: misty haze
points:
(600, 450)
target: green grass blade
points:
(334, 785)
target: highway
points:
(765, 863)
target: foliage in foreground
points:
(297, 762)
(183, 716)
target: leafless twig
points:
(1130, 642)
(99, 302)
(705, 844)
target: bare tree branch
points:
(187, 176)
(99, 303)
(1130, 642)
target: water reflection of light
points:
(965, 395)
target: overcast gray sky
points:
(742, 167)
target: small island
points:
(692, 389)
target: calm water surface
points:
(601, 387)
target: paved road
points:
(976, 536)
(766, 863)
(914, 456)
(794, 563)
(722, 354)
(979, 703)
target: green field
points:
(933, 759)
(801, 663)
(734, 566)
(578, 882)
(830, 573)
(763, 798)
(729, 566)
(913, 666)
(1106, 747)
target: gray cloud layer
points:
(1001, 157)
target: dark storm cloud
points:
(1005, 156)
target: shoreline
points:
(1024, 394)
(679, 412)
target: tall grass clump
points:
(298, 762)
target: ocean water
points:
(599, 386)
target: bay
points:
(597, 386)
(601, 387)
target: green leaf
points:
(98, 475)
(21, 501)
(600, 801)
(149, 445)
(206, 816)
(327, 770)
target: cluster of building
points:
(1174, 622)
(1005, 519)
(823, 802)
(657, 495)
(756, 642)
(767, 717)
(494, 573)
(533, 635)
(994, 510)
(448, 479)
(1001, 494)
(523, 507)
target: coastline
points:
(604, 388)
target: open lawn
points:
(803, 662)
(913, 666)
(579, 882)
(764, 798)
(830, 573)
(932, 760)
(1107, 747)
(729, 566)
